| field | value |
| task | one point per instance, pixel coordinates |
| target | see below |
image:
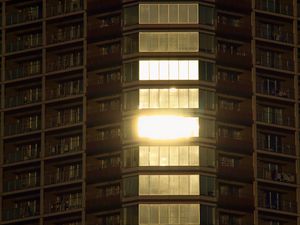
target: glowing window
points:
(167, 127)
(168, 69)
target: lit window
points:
(167, 127)
(168, 41)
(168, 98)
(168, 69)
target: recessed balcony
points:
(284, 36)
(21, 183)
(62, 7)
(284, 118)
(282, 7)
(96, 174)
(284, 204)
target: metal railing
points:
(19, 213)
(21, 184)
(66, 34)
(283, 36)
(64, 205)
(280, 7)
(60, 149)
(24, 70)
(61, 7)
(64, 120)
(279, 92)
(278, 148)
(278, 204)
(21, 155)
(25, 42)
(274, 62)
(23, 99)
(65, 91)
(22, 127)
(63, 177)
(25, 15)
(74, 61)
(272, 118)
(268, 174)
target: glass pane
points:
(173, 13)
(144, 70)
(154, 185)
(194, 155)
(183, 70)
(194, 185)
(174, 185)
(183, 13)
(193, 13)
(173, 98)
(154, 69)
(194, 98)
(154, 154)
(144, 214)
(153, 13)
(144, 14)
(164, 98)
(164, 184)
(174, 69)
(193, 70)
(154, 98)
(174, 156)
(183, 98)
(163, 70)
(144, 185)
(144, 156)
(154, 212)
(164, 156)
(144, 99)
(183, 156)
(163, 13)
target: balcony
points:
(23, 127)
(96, 118)
(20, 213)
(104, 56)
(62, 7)
(66, 176)
(68, 33)
(61, 149)
(234, 56)
(237, 115)
(65, 62)
(95, 145)
(23, 98)
(27, 69)
(282, 204)
(242, 171)
(238, 87)
(281, 92)
(286, 149)
(25, 42)
(24, 15)
(95, 174)
(64, 119)
(285, 119)
(243, 5)
(284, 176)
(63, 90)
(274, 61)
(242, 144)
(106, 27)
(280, 36)
(282, 7)
(233, 27)
(22, 155)
(21, 184)
(96, 88)
(102, 203)
(63, 205)
(240, 201)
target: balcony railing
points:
(26, 42)
(64, 120)
(267, 174)
(279, 148)
(25, 15)
(284, 36)
(22, 128)
(19, 213)
(278, 204)
(63, 7)
(274, 62)
(21, 184)
(66, 34)
(64, 205)
(56, 65)
(25, 70)
(280, 7)
(65, 91)
(60, 149)
(23, 99)
(22, 155)
(272, 118)
(63, 177)
(278, 92)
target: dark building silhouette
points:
(149, 112)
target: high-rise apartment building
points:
(150, 112)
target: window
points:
(207, 100)
(207, 185)
(207, 43)
(168, 98)
(207, 128)
(207, 215)
(130, 71)
(131, 15)
(168, 42)
(169, 214)
(168, 13)
(206, 15)
(168, 184)
(168, 69)
(207, 157)
(207, 71)
(162, 156)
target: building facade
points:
(127, 112)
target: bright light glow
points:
(168, 127)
